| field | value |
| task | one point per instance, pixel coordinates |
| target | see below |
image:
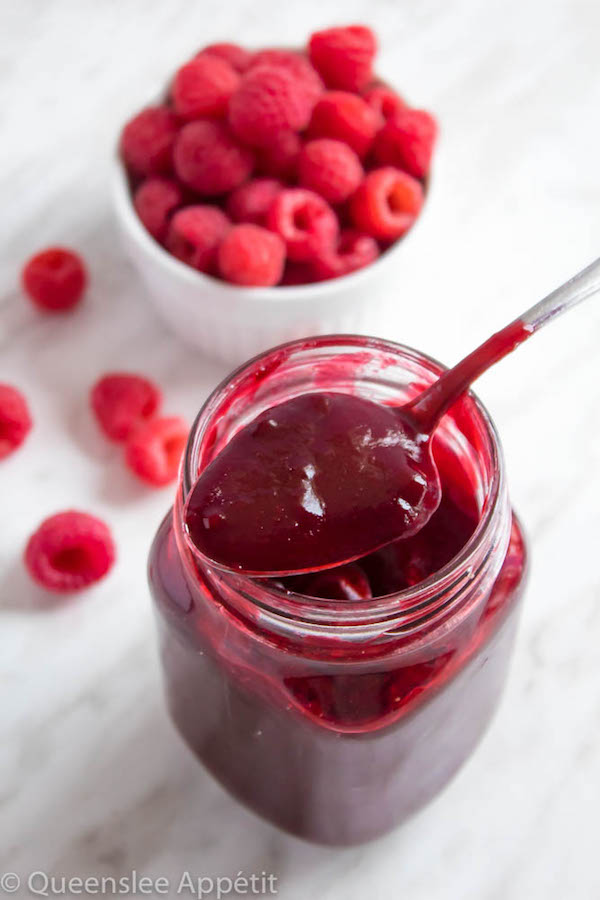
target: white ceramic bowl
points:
(235, 323)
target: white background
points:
(93, 779)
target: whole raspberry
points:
(280, 159)
(154, 450)
(15, 420)
(147, 141)
(122, 401)
(69, 551)
(203, 86)
(296, 274)
(268, 101)
(155, 200)
(354, 251)
(345, 117)
(238, 57)
(384, 101)
(195, 234)
(298, 65)
(251, 256)
(54, 279)
(344, 56)
(406, 141)
(387, 203)
(251, 201)
(331, 168)
(305, 222)
(347, 582)
(209, 159)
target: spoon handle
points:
(433, 402)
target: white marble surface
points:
(93, 779)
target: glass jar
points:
(336, 719)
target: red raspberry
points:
(331, 168)
(147, 141)
(296, 274)
(298, 66)
(251, 201)
(195, 234)
(268, 101)
(203, 86)
(387, 203)
(354, 251)
(406, 141)
(155, 200)
(122, 401)
(384, 101)
(238, 57)
(209, 159)
(305, 221)
(280, 159)
(252, 256)
(54, 279)
(69, 551)
(344, 56)
(347, 582)
(154, 450)
(345, 117)
(15, 420)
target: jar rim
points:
(412, 602)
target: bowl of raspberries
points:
(266, 194)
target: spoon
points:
(325, 478)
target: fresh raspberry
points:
(268, 101)
(147, 141)
(122, 401)
(387, 203)
(252, 256)
(203, 86)
(54, 279)
(354, 251)
(347, 582)
(251, 201)
(280, 159)
(344, 56)
(238, 57)
(296, 274)
(305, 221)
(155, 200)
(406, 141)
(154, 450)
(195, 234)
(298, 65)
(331, 168)
(69, 551)
(345, 117)
(209, 159)
(384, 101)
(15, 420)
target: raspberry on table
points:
(251, 256)
(208, 158)
(384, 101)
(238, 57)
(147, 141)
(15, 419)
(54, 279)
(280, 158)
(344, 56)
(299, 67)
(69, 551)
(406, 141)
(268, 101)
(252, 200)
(305, 222)
(154, 201)
(194, 236)
(154, 450)
(121, 401)
(387, 203)
(331, 168)
(354, 251)
(345, 117)
(203, 86)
